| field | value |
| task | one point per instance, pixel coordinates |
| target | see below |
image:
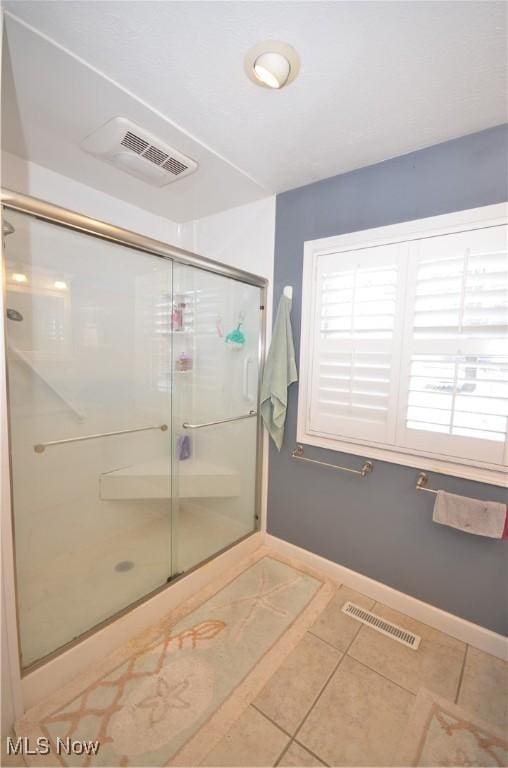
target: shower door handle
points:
(246, 366)
(41, 447)
(187, 425)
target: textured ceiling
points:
(378, 79)
(51, 101)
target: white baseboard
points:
(464, 630)
(42, 682)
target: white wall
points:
(8, 714)
(10, 701)
(19, 175)
(242, 237)
(10, 677)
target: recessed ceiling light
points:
(19, 277)
(272, 69)
(272, 64)
(60, 285)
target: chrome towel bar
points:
(366, 469)
(421, 482)
(41, 447)
(187, 425)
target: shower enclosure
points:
(133, 374)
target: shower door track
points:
(68, 219)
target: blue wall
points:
(379, 525)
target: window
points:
(405, 345)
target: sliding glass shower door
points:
(133, 394)
(216, 337)
(89, 373)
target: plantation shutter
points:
(455, 360)
(355, 343)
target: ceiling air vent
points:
(131, 149)
(131, 141)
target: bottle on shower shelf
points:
(183, 447)
(183, 362)
(177, 314)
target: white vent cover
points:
(132, 149)
(381, 625)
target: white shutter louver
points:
(457, 354)
(356, 328)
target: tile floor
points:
(344, 695)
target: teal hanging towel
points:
(279, 372)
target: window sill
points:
(422, 461)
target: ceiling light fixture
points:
(60, 285)
(272, 69)
(272, 64)
(19, 277)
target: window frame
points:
(475, 218)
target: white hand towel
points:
(484, 518)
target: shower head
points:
(7, 228)
(13, 314)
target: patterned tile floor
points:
(344, 696)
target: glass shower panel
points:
(89, 355)
(216, 338)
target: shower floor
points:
(81, 588)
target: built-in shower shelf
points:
(151, 480)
